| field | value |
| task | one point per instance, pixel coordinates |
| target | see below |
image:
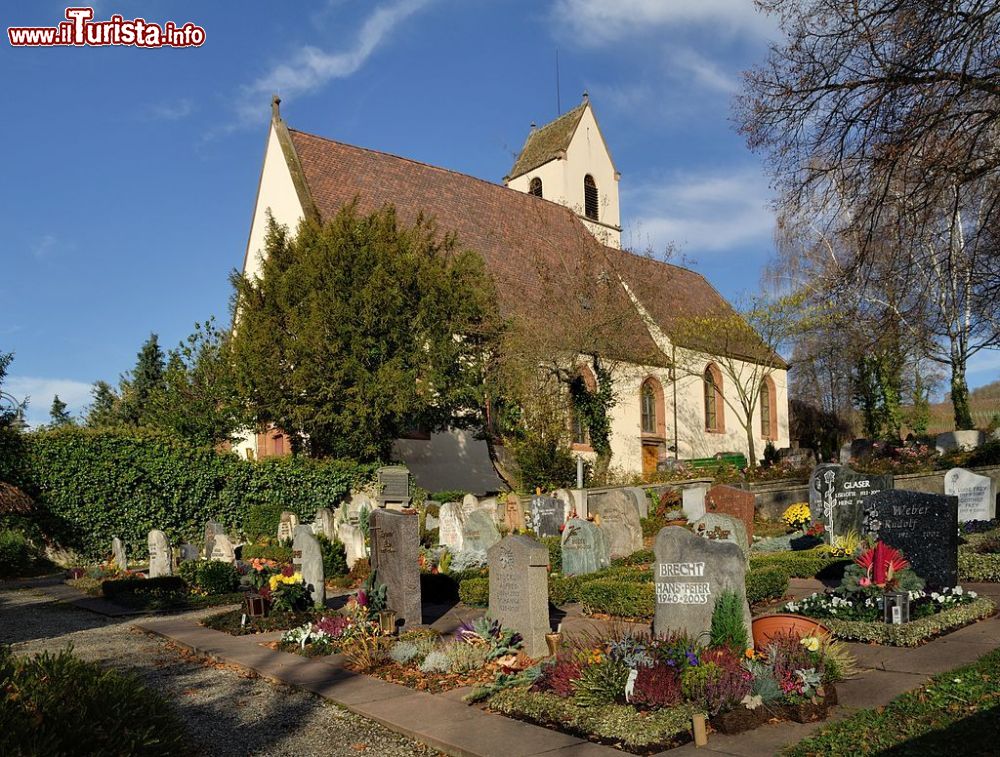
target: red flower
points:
(288, 570)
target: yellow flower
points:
(811, 643)
(276, 580)
(750, 653)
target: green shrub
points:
(554, 545)
(642, 557)
(766, 583)
(603, 683)
(977, 566)
(564, 589)
(217, 577)
(809, 563)
(262, 521)
(475, 592)
(728, 628)
(57, 704)
(617, 597)
(334, 557)
(17, 554)
(274, 552)
(89, 483)
(652, 525)
(449, 495)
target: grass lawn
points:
(957, 712)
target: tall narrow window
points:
(765, 411)
(590, 197)
(648, 402)
(580, 434)
(768, 409)
(535, 187)
(714, 420)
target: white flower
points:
(935, 595)
(973, 595)
(957, 590)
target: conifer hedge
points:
(91, 485)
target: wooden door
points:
(650, 457)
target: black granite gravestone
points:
(851, 491)
(923, 526)
(545, 515)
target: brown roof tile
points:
(537, 251)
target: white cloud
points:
(311, 68)
(598, 22)
(44, 247)
(685, 63)
(172, 110)
(40, 391)
(701, 212)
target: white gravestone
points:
(161, 561)
(974, 492)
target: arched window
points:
(578, 426)
(768, 409)
(714, 417)
(535, 187)
(653, 417)
(590, 197)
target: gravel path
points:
(226, 711)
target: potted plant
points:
(766, 627)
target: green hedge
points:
(274, 552)
(112, 589)
(17, 553)
(95, 484)
(809, 563)
(619, 598)
(914, 633)
(475, 592)
(766, 583)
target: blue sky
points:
(129, 174)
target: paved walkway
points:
(443, 722)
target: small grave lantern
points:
(387, 622)
(256, 606)
(897, 607)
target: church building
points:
(554, 221)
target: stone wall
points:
(774, 496)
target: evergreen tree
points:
(59, 414)
(360, 328)
(145, 380)
(106, 407)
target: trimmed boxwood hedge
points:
(973, 566)
(113, 589)
(92, 484)
(619, 598)
(914, 633)
(766, 583)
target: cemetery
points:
(639, 618)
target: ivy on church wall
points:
(594, 406)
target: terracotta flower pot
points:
(767, 626)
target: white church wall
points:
(275, 193)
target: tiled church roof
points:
(537, 251)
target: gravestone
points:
(974, 492)
(394, 486)
(431, 523)
(222, 549)
(307, 559)
(212, 529)
(161, 562)
(118, 553)
(479, 532)
(729, 500)
(545, 515)
(353, 539)
(519, 592)
(640, 499)
(821, 490)
(470, 503)
(851, 492)
(923, 526)
(359, 501)
(584, 548)
(959, 440)
(287, 525)
(568, 501)
(689, 574)
(619, 520)
(450, 527)
(323, 523)
(189, 552)
(719, 527)
(513, 514)
(844, 456)
(693, 502)
(395, 540)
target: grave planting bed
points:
(915, 632)
(979, 557)
(237, 623)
